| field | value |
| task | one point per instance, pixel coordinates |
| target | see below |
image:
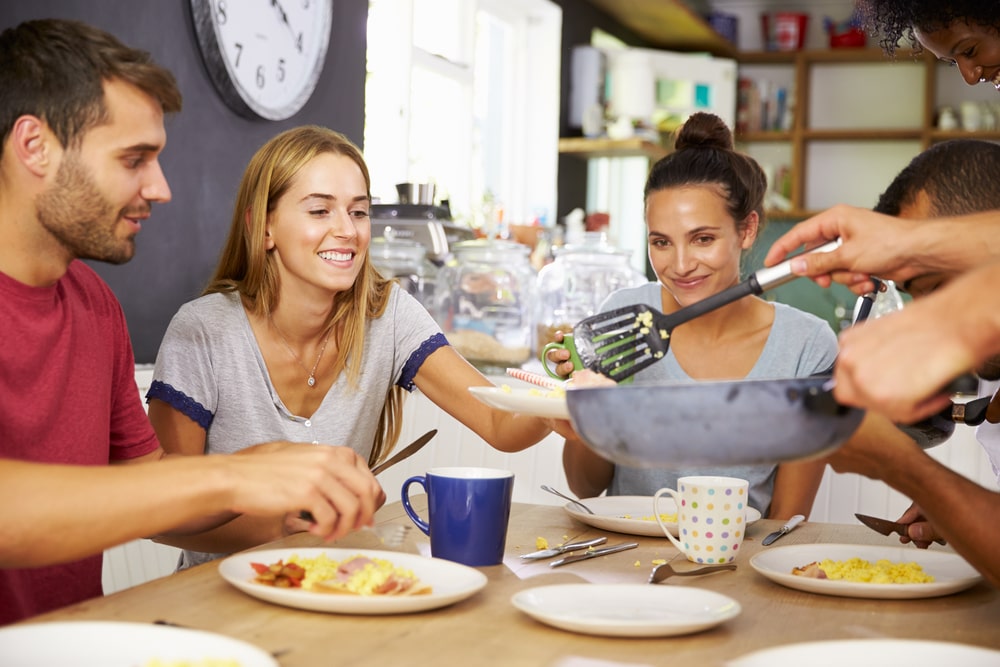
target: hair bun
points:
(704, 130)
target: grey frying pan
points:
(712, 423)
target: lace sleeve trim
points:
(417, 359)
(180, 402)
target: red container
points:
(784, 31)
(853, 38)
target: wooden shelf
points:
(945, 135)
(585, 148)
(765, 136)
(667, 24)
(802, 138)
(882, 134)
(845, 55)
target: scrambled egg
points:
(363, 581)
(207, 662)
(881, 572)
(665, 518)
(557, 392)
(541, 543)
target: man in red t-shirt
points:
(81, 121)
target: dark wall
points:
(208, 146)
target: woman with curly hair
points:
(963, 33)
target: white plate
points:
(912, 653)
(611, 512)
(531, 402)
(626, 610)
(951, 573)
(112, 644)
(449, 582)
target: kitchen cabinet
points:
(859, 117)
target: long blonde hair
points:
(246, 267)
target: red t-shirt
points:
(67, 381)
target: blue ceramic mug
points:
(468, 509)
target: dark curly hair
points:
(894, 20)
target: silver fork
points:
(390, 534)
(665, 570)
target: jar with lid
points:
(577, 281)
(485, 303)
(407, 262)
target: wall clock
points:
(264, 56)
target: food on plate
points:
(555, 392)
(357, 575)
(206, 662)
(859, 570)
(541, 543)
(588, 378)
(665, 518)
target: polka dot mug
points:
(711, 517)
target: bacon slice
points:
(811, 570)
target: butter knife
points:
(555, 551)
(787, 528)
(887, 527)
(594, 553)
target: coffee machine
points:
(429, 225)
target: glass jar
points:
(407, 262)
(577, 281)
(485, 303)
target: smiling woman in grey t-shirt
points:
(298, 338)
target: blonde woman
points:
(298, 338)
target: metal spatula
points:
(621, 342)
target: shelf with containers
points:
(855, 121)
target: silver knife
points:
(887, 527)
(555, 551)
(594, 553)
(794, 521)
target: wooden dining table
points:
(487, 629)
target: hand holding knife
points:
(887, 527)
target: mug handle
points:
(412, 513)
(545, 358)
(656, 515)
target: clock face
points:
(264, 56)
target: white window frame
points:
(526, 134)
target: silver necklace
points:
(312, 373)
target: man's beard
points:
(75, 212)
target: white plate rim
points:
(124, 643)
(725, 608)
(605, 521)
(450, 582)
(913, 652)
(521, 400)
(771, 563)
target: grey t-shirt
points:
(210, 368)
(799, 344)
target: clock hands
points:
(296, 38)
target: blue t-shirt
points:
(798, 345)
